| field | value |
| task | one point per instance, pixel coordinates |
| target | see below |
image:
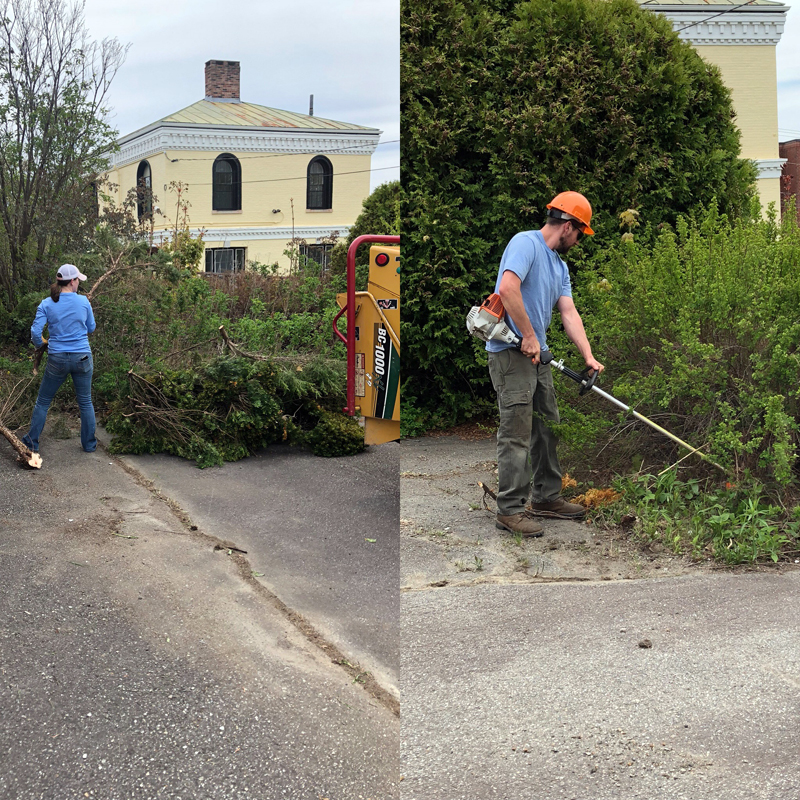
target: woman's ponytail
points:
(55, 290)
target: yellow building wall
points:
(270, 183)
(750, 72)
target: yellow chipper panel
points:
(378, 346)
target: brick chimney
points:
(222, 81)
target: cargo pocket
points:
(510, 398)
(516, 415)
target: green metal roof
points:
(249, 115)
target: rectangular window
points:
(319, 253)
(225, 259)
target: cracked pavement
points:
(579, 665)
(140, 657)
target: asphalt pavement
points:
(139, 658)
(321, 533)
(568, 667)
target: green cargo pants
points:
(526, 446)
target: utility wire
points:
(714, 16)
(701, 21)
(304, 177)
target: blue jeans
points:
(59, 365)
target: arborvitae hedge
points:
(504, 105)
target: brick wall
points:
(790, 172)
(222, 79)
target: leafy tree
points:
(54, 84)
(380, 215)
(506, 104)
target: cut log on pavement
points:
(33, 460)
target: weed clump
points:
(734, 523)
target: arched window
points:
(227, 179)
(144, 190)
(320, 184)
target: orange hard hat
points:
(575, 205)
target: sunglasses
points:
(579, 227)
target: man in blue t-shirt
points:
(532, 280)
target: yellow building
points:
(256, 177)
(741, 40)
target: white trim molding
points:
(732, 27)
(251, 234)
(174, 137)
(769, 167)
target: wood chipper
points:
(373, 339)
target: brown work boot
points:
(519, 523)
(560, 509)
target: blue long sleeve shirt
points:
(69, 322)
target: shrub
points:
(701, 328)
(506, 104)
(335, 435)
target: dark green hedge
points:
(506, 104)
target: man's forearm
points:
(515, 309)
(573, 326)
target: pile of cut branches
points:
(227, 408)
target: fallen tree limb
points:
(236, 350)
(228, 343)
(33, 460)
(116, 270)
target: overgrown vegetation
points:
(506, 104)
(167, 381)
(732, 523)
(700, 328)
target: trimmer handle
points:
(589, 380)
(586, 381)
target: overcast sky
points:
(344, 52)
(788, 56)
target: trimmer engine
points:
(487, 322)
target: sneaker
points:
(520, 523)
(560, 509)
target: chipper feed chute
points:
(373, 340)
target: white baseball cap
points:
(67, 272)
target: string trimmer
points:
(487, 322)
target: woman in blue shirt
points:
(69, 320)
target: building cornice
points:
(239, 235)
(749, 27)
(769, 167)
(176, 137)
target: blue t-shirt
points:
(69, 321)
(544, 278)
